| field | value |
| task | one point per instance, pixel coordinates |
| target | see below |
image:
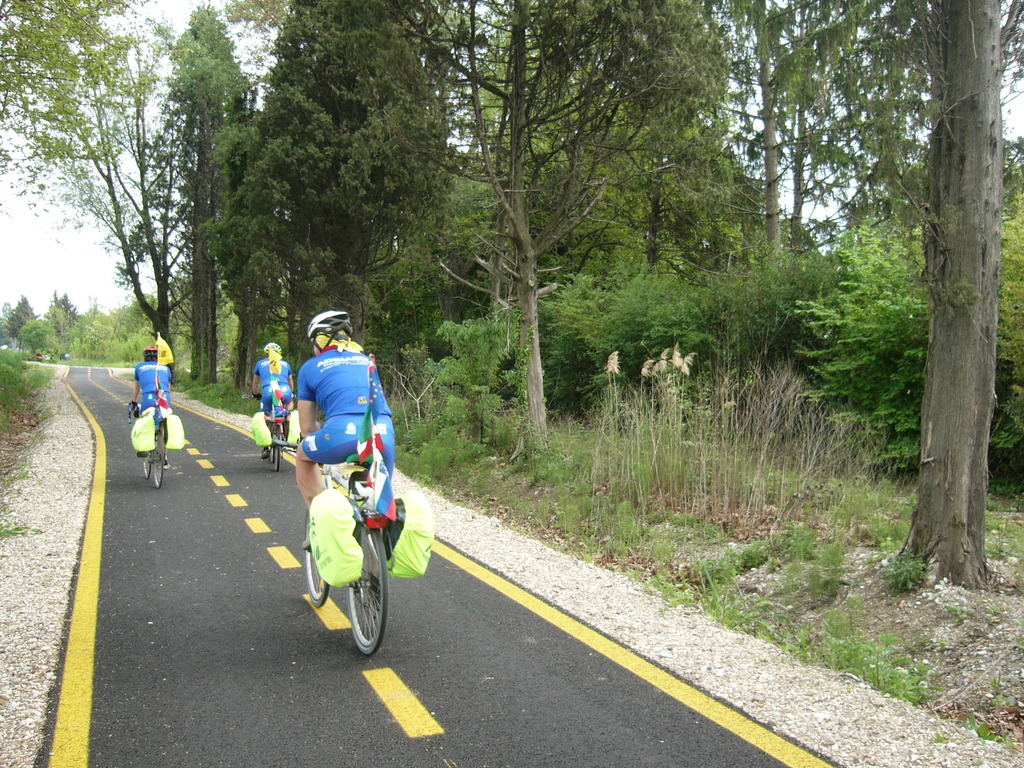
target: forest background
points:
(663, 271)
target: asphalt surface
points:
(207, 653)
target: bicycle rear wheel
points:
(315, 585)
(275, 449)
(147, 465)
(368, 597)
(157, 457)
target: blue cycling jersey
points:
(262, 370)
(338, 380)
(147, 374)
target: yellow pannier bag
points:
(339, 558)
(175, 433)
(411, 553)
(144, 433)
(260, 430)
(293, 427)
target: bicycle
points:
(154, 460)
(367, 597)
(278, 426)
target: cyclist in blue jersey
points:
(336, 380)
(272, 367)
(151, 378)
(148, 375)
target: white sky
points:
(42, 250)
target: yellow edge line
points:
(414, 718)
(770, 743)
(74, 711)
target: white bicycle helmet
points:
(272, 346)
(329, 323)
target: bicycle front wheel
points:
(368, 597)
(315, 585)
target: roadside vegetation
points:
(20, 412)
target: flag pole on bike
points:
(371, 448)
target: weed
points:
(8, 528)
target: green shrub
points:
(872, 337)
(904, 573)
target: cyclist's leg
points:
(329, 445)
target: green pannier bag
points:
(293, 427)
(144, 433)
(411, 553)
(260, 430)
(175, 433)
(339, 558)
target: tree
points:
(325, 192)
(37, 336)
(125, 176)
(206, 85)
(962, 265)
(18, 318)
(545, 96)
(62, 316)
(48, 49)
(794, 100)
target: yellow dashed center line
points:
(403, 704)
(220, 481)
(192, 451)
(257, 525)
(330, 614)
(284, 557)
(205, 463)
(235, 500)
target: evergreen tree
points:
(206, 85)
(18, 318)
(329, 191)
(63, 317)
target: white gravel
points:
(839, 716)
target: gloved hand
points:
(134, 408)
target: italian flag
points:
(161, 399)
(370, 447)
(278, 395)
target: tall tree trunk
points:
(770, 141)
(796, 221)
(524, 254)
(962, 252)
(204, 275)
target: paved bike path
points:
(207, 653)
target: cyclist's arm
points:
(255, 387)
(307, 417)
(135, 392)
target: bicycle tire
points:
(368, 597)
(157, 457)
(275, 450)
(315, 585)
(147, 465)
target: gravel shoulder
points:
(837, 715)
